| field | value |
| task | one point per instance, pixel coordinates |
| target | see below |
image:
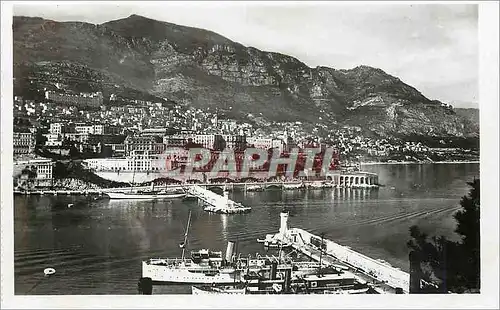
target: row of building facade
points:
(81, 100)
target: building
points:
(41, 167)
(80, 100)
(76, 137)
(138, 161)
(148, 132)
(235, 142)
(174, 141)
(53, 140)
(112, 130)
(94, 129)
(23, 141)
(207, 141)
(153, 145)
(111, 145)
(180, 140)
(278, 144)
(56, 128)
(227, 125)
(98, 129)
(260, 143)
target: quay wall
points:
(382, 271)
(359, 179)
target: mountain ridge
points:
(201, 68)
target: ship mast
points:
(185, 236)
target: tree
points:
(453, 266)
(40, 139)
(67, 143)
(73, 152)
(59, 171)
(468, 227)
(219, 143)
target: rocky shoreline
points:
(68, 184)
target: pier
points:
(382, 277)
(216, 203)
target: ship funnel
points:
(229, 252)
(274, 269)
(288, 279)
(284, 223)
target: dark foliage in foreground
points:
(453, 266)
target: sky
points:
(432, 47)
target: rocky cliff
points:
(201, 68)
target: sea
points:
(97, 245)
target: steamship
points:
(204, 266)
(285, 283)
(210, 267)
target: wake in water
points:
(386, 219)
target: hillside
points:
(470, 114)
(201, 68)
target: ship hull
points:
(144, 196)
(164, 275)
(213, 291)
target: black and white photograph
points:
(228, 148)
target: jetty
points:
(215, 202)
(382, 277)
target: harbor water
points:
(96, 246)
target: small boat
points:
(49, 271)
(190, 197)
(316, 185)
(70, 205)
(270, 242)
(293, 185)
(227, 210)
(254, 188)
(227, 206)
(316, 283)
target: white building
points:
(98, 129)
(55, 128)
(42, 167)
(94, 129)
(207, 141)
(77, 137)
(53, 140)
(260, 143)
(23, 142)
(136, 162)
(279, 144)
(227, 125)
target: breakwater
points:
(389, 278)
